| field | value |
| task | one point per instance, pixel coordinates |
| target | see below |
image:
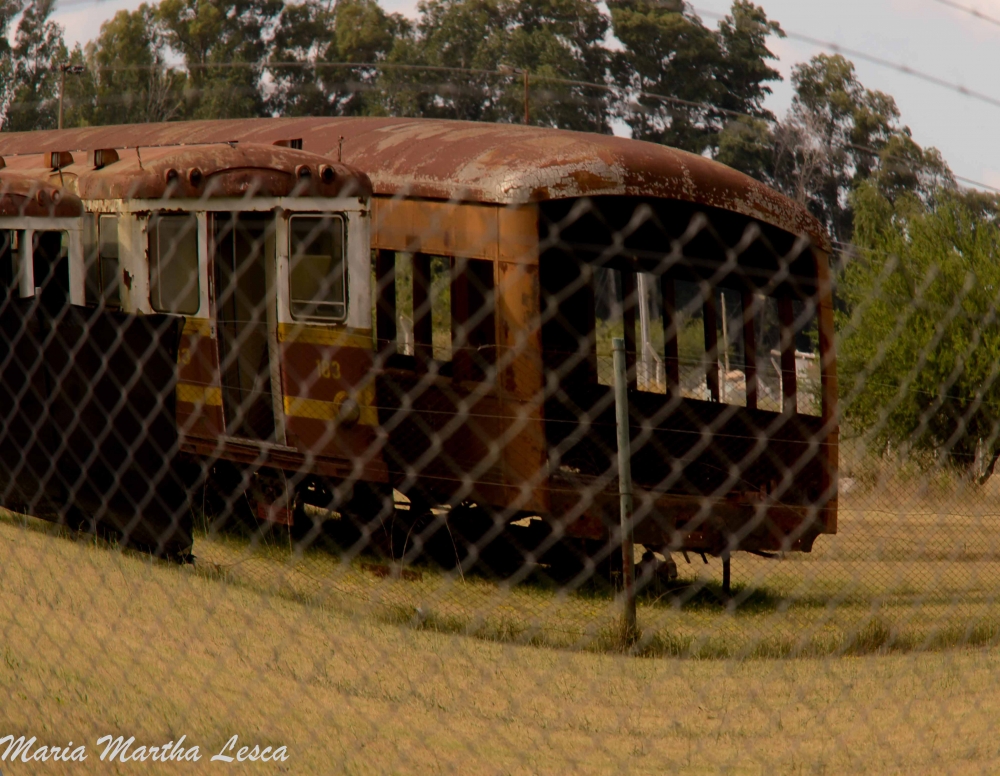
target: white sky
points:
(923, 34)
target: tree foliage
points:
(555, 40)
(839, 134)
(672, 80)
(679, 79)
(32, 99)
(313, 45)
(127, 79)
(224, 44)
(917, 354)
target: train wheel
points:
(343, 518)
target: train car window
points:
(422, 296)
(692, 359)
(441, 318)
(473, 319)
(731, 352)
(174, 285)
(769, 382)
(107, 254)
(403, 296)
(318, 271)
(608, 318)
(650, 366)
(808, 397)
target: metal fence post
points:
(625, 485)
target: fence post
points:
(625, 487)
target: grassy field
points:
(875, 654)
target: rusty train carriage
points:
(524, 224)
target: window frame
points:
(106, 295)
(153, 225)
(344, 262)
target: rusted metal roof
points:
(212, 170)
(24, 196)
(467, 161)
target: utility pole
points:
(63, 69)
(521, 71)
(527, 118)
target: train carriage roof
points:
(468, 161)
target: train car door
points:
(243, 252)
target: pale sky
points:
(922, 34)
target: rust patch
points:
(25, 196)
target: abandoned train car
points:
(463, 361)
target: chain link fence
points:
(331, 465)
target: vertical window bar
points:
(670, 355)
(750, 349)
(711, 321)
(789, 388)
(629, 299)
(423, 329)
(460, 330)
(385, 304)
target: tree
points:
(554, 40)
(8, 10)
(743, 71)
(464, 36)
(839, 134)
(224, 44)
(127, 79)
(312, 39)
(557, 39)
(917, 351)
(34, 73)
(682, 83)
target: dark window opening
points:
(473, 320)
(102, 278)
(50, 266)
(243, 247)
(414, 307)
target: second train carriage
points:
(504, 258)
(249, 253)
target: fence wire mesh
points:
(338, 475)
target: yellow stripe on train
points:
(316, 335)
(318, 409)
(209, 395)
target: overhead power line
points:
(540, 78)
(971, 11)
(881, 62)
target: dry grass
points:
(893, 624)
